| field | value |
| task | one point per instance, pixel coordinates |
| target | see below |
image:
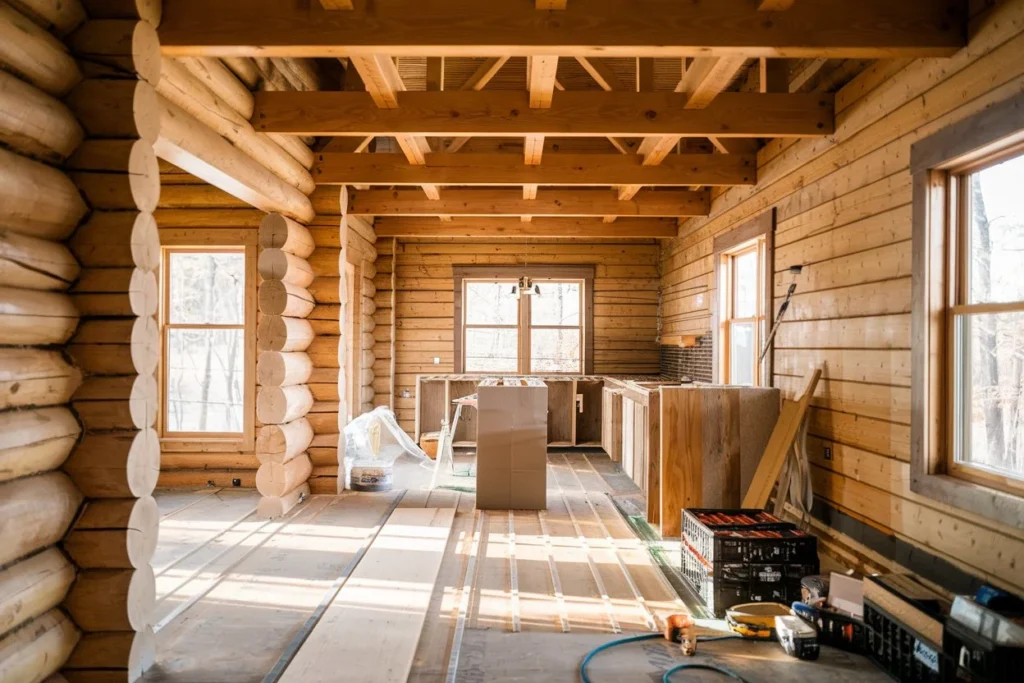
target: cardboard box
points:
(512, 437)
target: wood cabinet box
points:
(512, 430)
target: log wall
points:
(39, 208)
(844, 211)
(625, 306)
(342, 356)
(117, 344)
(205, 105)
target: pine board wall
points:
(625, 305)
(844, 211)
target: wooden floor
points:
(234, 590)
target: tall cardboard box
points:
(512, 444)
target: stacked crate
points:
(730, 557)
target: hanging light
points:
(526, 286)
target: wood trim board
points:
(373, 624)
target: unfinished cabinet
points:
(611, 423)
(588, 413)
(561, 413)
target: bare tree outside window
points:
(204, 337)
(990, 323)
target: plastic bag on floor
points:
(372, 443)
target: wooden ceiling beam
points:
(548, 202)
(558, 169)
(659, 228)
(603, 28)
(701, 83)
(572, 114)
(480, 78)
(383, 83)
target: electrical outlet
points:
(437, 360)
(828, 452)
(406, 393)
(236, 482)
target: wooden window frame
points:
(760, 231)
(582, 274)
(935, 163)
(208, 240)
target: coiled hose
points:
(668, 674)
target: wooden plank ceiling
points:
(601, 118)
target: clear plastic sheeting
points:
(373, 442)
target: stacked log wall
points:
(39, 209)
(117, 345)
(284, 368)
(844, 206)
(210, 102)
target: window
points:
(523, 320)
(967, 409)
(743, 301)
(986, 349)
(207, 318)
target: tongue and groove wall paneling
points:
(39, 208)
(625, 303)
(284, 368)
(844, 212)
(117, 345)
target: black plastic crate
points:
(841, 630)
(902, 652)
(700, 524)
(758, 545)
(723, 585)
(977, 658)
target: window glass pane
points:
(555, 350)
(492, 350)
(991, 404)
(996, 205)
(557, 304)
(491, 303)
(207, 287)
(204, 380)
(741, 353)
(745, 283)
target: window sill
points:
(999, 506)
(205, 444)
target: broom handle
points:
(778, 319)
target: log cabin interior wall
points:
(625, 305)
(844, 212)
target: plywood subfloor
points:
(234, 589)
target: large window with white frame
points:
(530, 324)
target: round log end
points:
(146, 108)
(144, 400)
(143, 465)
(144, 176)
(145, 241)
(143, 531)
(145, 346)
(146, 52)
(143, 293)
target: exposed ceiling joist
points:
(539, 227)
(383, 83)
(548, 202)
(572, 114)
(701, 83)
(480, 78)
(608, 28)
(558, 169)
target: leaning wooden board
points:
(370, 631)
